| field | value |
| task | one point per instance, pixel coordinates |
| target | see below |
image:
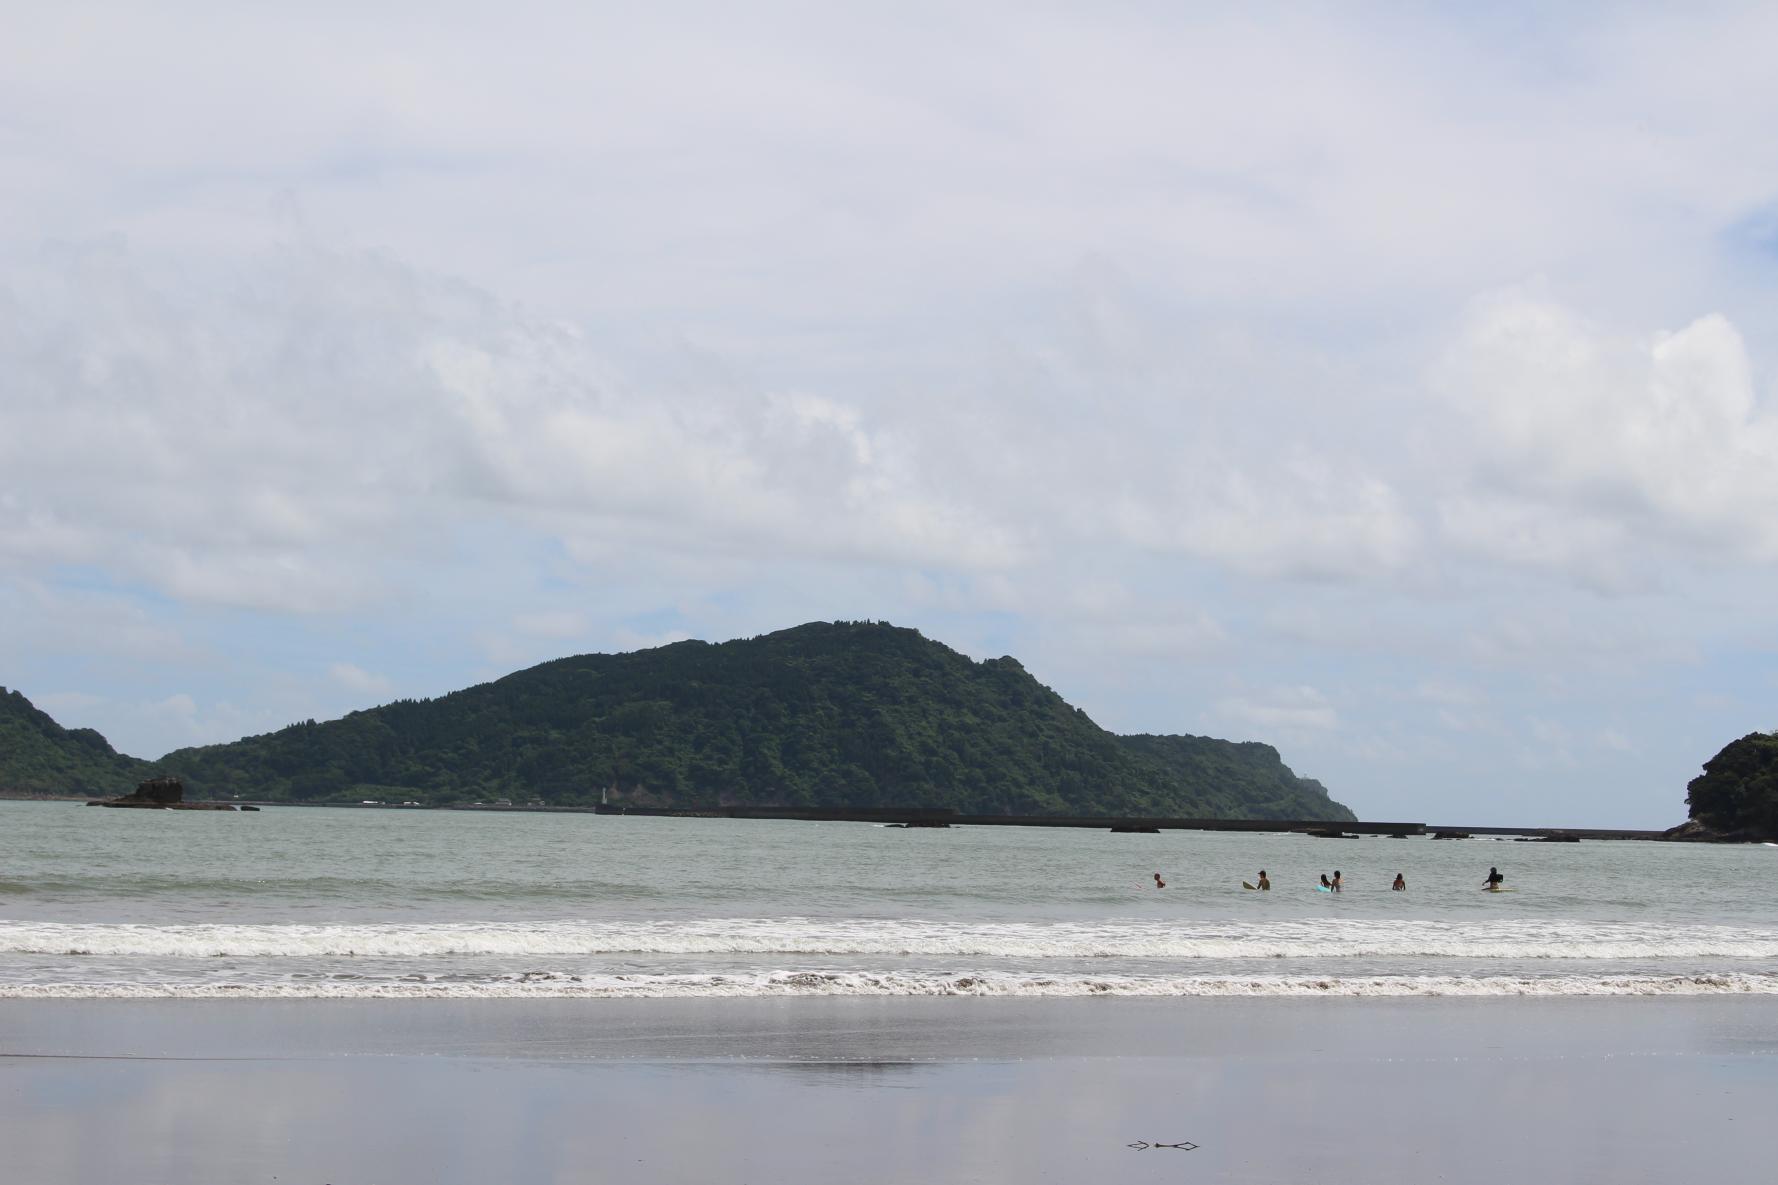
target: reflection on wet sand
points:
(1628, 1091)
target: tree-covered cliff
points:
(1737, 794)
(823, 715)
(39, 756)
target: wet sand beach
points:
(887, 1090)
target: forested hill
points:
(39, 756)
(830, 715)
(1736, 797)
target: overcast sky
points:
(1394, 387)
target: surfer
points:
(1336, 880)
(1158, 882)
(1400, 885)
(1265, 882)
(1494, 879)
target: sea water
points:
(355, 902)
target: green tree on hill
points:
(39, 756)
(1737, 794)
(842, 714)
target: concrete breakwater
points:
(933, 817)
(925, 817)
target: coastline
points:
(888, 1090)
(924, 818)
(793, 986)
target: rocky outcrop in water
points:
(165, 794)
(155, 792)
(1735, 799)
(1695, 831)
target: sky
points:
(1393, 384)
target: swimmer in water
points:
(1494, 879)
(1265, 882)
(1158, 882)
(1336, 881)
(1325, 883)
(1400, 885)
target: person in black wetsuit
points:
(1494, 879)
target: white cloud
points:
(1559, 641)
(551, 623)
(1458, 721)
(1550, 744)
(626, 639)
(1444, 694)
(1593, 444)
(357, 679)
(1102, 333)
(1179, 636)
(178, 704)
(38, 618)
(56, 702)
(1593, 550)
(1288, 709)
(1299, 521)
(183, 720)
(294, 439)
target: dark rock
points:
(153, 792)
(1450, 835)
(161, 794)
(1695, 831)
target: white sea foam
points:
(824, 983)
(1311, 939)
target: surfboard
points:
(1487, 890)
(1245, 885)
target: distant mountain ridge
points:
(39, 756)
(822, 715)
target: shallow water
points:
(355, 902)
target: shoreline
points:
(801, 986)
(889, 1027)
(925, 818)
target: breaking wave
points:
(543, 985)
(795, 936)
